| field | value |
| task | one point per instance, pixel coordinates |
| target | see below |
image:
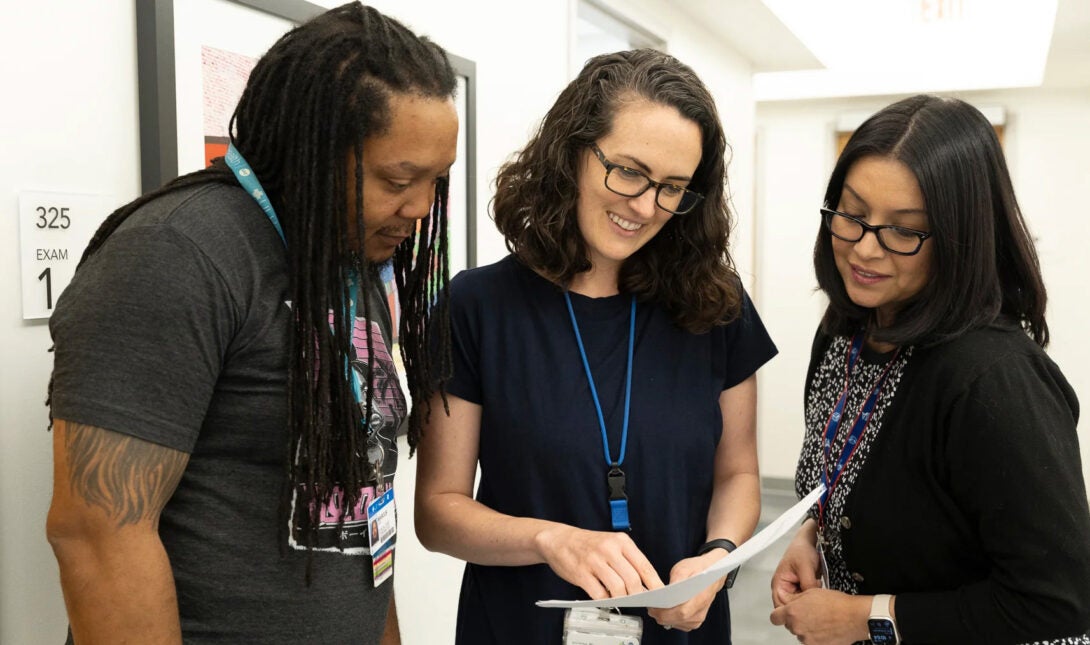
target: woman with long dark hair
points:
(955, 509)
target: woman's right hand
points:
(799, 568)
(604, 564)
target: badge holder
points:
(600, 626)
(382, 527)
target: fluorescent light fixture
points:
(902, 46)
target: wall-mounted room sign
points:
(54, 228)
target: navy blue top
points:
(515, 354)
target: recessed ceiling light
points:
(902, 46)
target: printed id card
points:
(382, 520)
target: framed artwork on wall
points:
(193, 59)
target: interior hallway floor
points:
(751, 599)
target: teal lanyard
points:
(357, 387)
(618, 500)
(249, 182)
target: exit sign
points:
(941, 10)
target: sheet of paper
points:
(679, 592)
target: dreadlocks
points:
(309, 106)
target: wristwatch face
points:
(882, 631)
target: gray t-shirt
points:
(178, 332)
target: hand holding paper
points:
(678, 592)
(583, 557)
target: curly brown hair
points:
(686, 268)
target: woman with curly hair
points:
(604, 372)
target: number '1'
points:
(48, 287)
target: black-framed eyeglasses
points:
(895, 239)
(629, 182)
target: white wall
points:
(728, 76)
(1046, 142)
(69, 124)
(792, 165)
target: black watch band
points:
(721, 543)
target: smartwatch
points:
(728, 546)
(883, 629)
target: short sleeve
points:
(465, 329)
(140, 335)
(747, 343)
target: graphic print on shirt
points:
(388, 411)
(824, 391)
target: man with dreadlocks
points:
(224, 402)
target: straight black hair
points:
(984, 264)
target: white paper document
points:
(677, 593)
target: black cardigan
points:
(971, 506)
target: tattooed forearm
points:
(129, 478)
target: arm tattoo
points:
(131, 479)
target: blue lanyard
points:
(847, 451)
(246, 177)
(615, 479)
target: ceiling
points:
(787, 68)
(1069, 57)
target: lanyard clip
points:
(615, 479)
(618, 500)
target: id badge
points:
(382, 523)
(600, 626)
(822, 564)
